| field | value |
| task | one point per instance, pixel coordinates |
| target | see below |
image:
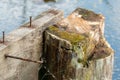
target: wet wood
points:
(76, 49)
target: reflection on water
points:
(107, 2)
(49, 0)
(13, 13)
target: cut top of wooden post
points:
(80, 44)
(84, 21)
(88, 14)
(83, 36)
(94, 20)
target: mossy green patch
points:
(88, 75)
(74, 38)
(81, 43)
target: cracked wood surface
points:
(76, 58)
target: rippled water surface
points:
(13, 13)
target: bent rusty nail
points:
(3, 37)
(24, 59)
(30, 21)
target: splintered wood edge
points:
(56, 37)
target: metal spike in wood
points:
(30, 21)
(3, 36)
(24, 59)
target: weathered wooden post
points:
(75, 48)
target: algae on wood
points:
(81, 44)
(75, 49)
(60, 53)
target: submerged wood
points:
(74, 49)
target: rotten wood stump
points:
(75, 49)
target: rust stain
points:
(24, 59)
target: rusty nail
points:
(30, 21)
(24, 59)
(3, 36)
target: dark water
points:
(13, 13)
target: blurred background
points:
(14, 13)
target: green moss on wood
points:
(81, 43)
(88, 75)
(74, 38)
